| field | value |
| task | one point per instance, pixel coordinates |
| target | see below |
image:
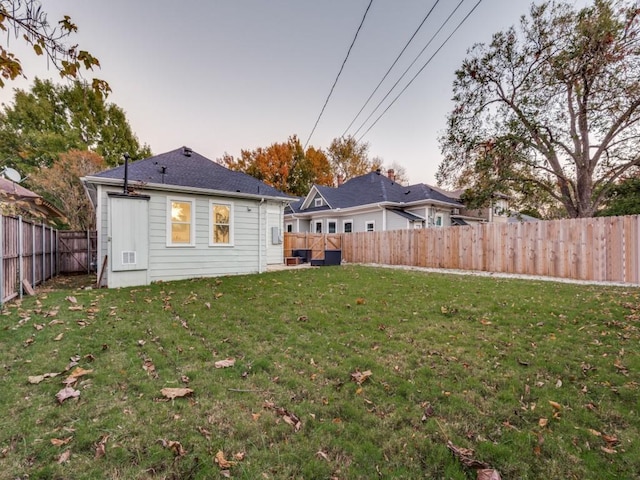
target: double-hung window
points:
(221, 230)
(180, 222)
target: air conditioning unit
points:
(455, 211)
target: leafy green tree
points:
(623, 198)
(26, 20)
(350, 158)
(551, 109)
(52, 119)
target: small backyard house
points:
(179, 215)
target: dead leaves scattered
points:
(288, 417)
(67, 393)
(465, 456)
(175, 447)
(35, 379)
(359, 377)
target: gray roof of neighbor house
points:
(185, 168)
(374, 188)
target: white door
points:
(129, 233)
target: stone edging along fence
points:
(601, 249)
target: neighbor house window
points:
(221, 230)
(439, 220)
(289, 227)
(347, 226)
(332, 226)
(317, 202)
(370, 226)
(318, 227)
(181, 222)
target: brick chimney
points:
(391, 174)
(340, 179)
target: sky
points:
(224, 75)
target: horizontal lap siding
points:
(175, 263)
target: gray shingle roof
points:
(374, 188)
(185, 168)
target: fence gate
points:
(77, 251)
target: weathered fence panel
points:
(34, 253)
(592, 249)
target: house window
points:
(221, 230)
(370, 226)
(332, 226)
(319, 227)
(417, 225)
(181, 222)
(289, 227)
(317, 202)
(439, 220)
(347, 226)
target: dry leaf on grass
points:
(229, 362)
(58, 442)
(175, 447)
(487, 474)
(64, 458)
(172, 393)
(101, 447)
(71, 299)
(39, 378)
(67, 393)
(465, 456)
(222, 462)
(360, 377)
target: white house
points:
(179, 215)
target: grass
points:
(540, 379)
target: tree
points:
(623, 198)
(285, 166)
(53, 119)
(349, 158)
(27, 20)
(551, 109)
(60, 184)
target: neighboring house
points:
(180, 215)
(17, 200)
(375, 202)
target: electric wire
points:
(423, 67)
(413, 63)
(338, 76)
(391, 67)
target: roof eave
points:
(182, 189)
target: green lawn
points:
(539, 379)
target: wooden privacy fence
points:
(32, 253)
(592, 249)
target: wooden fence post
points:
(20, 266)
(33, 255)
(2, 242)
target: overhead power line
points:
(391, 67)
(338, 76)
(414, 62)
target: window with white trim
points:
(221, 226)
(180, 222)
(347, 226)
(289, 227)
(370, 226)
(318, 228)
(439, 220)
(317, 202)
(332, 226)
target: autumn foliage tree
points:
(350, 158)
(550, 110)
(60, 184)
(285, 166)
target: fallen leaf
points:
(322, 455)
(222, 462)
(360, 301)
(610, 439)
(175, 447)
(58, 442)
(543, 422)
(465, 456)
(608, 450)
(229, 362)
(555, 405)
(39, 378)
(239, 456)
(172, 393)
(487, 474)
(71, 299)
(100, 447)
(76, 308)
(205, 433)
(58, 337)
(64, 457)
(67, 393)
(360, 377)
